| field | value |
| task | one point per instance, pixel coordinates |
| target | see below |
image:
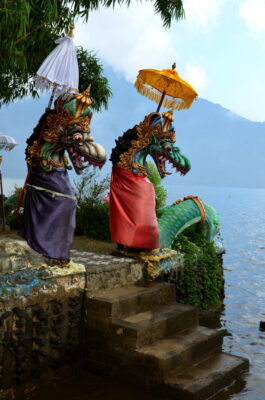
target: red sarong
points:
(133, 219)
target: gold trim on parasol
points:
(177, 94)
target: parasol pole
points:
(2, 202)
(52, 97)
(2, 199)
(161, 101)
(164, 92)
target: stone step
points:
(123, 301)
(203, 381)
(161, 359)
(167, 356)
(147, 327)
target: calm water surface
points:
(242, 213)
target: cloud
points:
(203, 13)
(252, 12)
(128, 39)
(196, 75)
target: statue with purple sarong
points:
(49, 210)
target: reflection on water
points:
(89, 387)
(242, 214)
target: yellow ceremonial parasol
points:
(176, 93)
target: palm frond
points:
(169, 10)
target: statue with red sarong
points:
(132, 198)
(133, 222)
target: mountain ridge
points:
(225, 149)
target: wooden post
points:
(2, 202)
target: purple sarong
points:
(49, 221)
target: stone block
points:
(202, 381)
(16, 255)
(168, 355)
(127, 300)
(147, 327)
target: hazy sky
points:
(219, 48)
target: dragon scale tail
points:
(176, 218)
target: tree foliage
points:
(90, 72)
(28, 29)
(89, 188)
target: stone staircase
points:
(140, 335)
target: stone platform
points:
(32, 281)
(102, 310)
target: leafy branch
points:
(28, 29)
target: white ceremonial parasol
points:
(60, 69)
(7, 142)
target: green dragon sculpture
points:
(154, 137)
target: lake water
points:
(242, 213)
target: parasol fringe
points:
(44, 84)
(176, 104)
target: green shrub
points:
(92, 214)
(201, 283)
(14, 220)
(13, 217)
(92, 219)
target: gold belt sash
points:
(52, 192)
